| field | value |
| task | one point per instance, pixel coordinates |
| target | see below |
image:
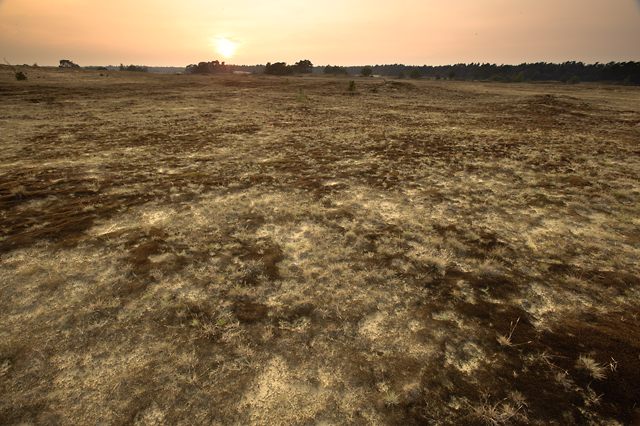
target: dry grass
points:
(237, 250)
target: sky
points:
(335, 32)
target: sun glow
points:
(225, 47)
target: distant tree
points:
(452, 74)
(401, 74)
(574, 80)
(137, 68)
(519, 78)
(438, 76)
(65, 63)
(366, 72)
(415, 74)
(563, 79)
(121, 67)
(278, 68)
(213, 67)
(535, 76)
(304, 67)
(335, 70)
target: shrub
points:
(366, 72)
(563, 79)
(452, 74)
(415, 74)
(437, 76)
(19, 74)
(401, 74)
(574, 80)
(301, 96)
(352, 86)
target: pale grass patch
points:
(591, 398)
(562, 377)
(491, 267)
(18, 191)
(496, 414)
(594, 369)
(505, 340)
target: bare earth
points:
(251, 250)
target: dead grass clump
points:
(499, 413)
(589, 365)
(18, 192)
(490, 268)
(505, 340)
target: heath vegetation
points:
(233, 250)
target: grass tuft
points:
(594, 369)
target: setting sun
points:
(225, 47)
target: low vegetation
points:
(225, 249)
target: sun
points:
(225, 47)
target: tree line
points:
(625, 72)
(622, 72)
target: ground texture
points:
(231, 250)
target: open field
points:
(251, 250)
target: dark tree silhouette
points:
(335, 70)
(279, 68)
(304, 67)
(65, 63)
(213, 67)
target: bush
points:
(574, 80)
(352, 86)
(519, 78)
(366, 72)
(20, 75)
(563, 79)
(437, 76)
(415, 74)
(401, 75)
(452, 74)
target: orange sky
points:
(337, 32)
